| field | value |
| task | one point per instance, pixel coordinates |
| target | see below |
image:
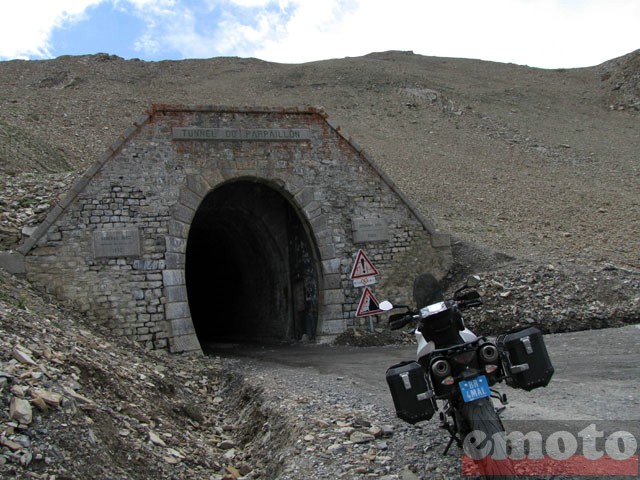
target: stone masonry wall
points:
(115, 246)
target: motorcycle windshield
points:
(439, 325)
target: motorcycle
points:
(454, 373)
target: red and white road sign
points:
(368, 304)
(363, 267)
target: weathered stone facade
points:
(193, 201)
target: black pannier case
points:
(525, 358)
(410, 392)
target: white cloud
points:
(25, 30)
(548, 33)
(544, 33)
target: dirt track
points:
(595, 376)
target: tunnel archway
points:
(250, 270)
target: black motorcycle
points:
(454, 373)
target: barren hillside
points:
(529, 162)
(536, 172)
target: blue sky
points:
(539, 33)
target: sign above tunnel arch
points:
(129, 218)
(241, 134)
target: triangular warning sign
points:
(368, 304)
(363, 266)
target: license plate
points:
(475, 389)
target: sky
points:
(538, 33)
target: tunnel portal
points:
(250, 267)
(208, 224)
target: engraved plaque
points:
(370, 230)
(241, 134)
(116, 242)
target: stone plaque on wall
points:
(116, 242)
(370, 230)
(268, 134)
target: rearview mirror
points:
(386, 305)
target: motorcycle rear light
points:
(465, 358)
(490, 368)
(441, 368)
(448, 381)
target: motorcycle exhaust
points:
(488, 353)
(441, 368)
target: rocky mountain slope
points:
(525, 161)
(535, 172)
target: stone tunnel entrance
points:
(250, 269)
(211, 224)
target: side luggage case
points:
(412, 398)
(525, 358)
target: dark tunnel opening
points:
(250, 268)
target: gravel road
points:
(595, 380)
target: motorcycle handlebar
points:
(462, 304)
(401, 322)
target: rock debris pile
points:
(77, 404)
(557, 298)
(25, 201)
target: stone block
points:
(440, 240)
(181, 326)
(13, 262)
(185, 344)
(334, 296)
(175, 244)
(177, 310)
(175, 260)
(333, 327)
(173, 278)
(176, 294)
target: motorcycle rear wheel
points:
(485, 441)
